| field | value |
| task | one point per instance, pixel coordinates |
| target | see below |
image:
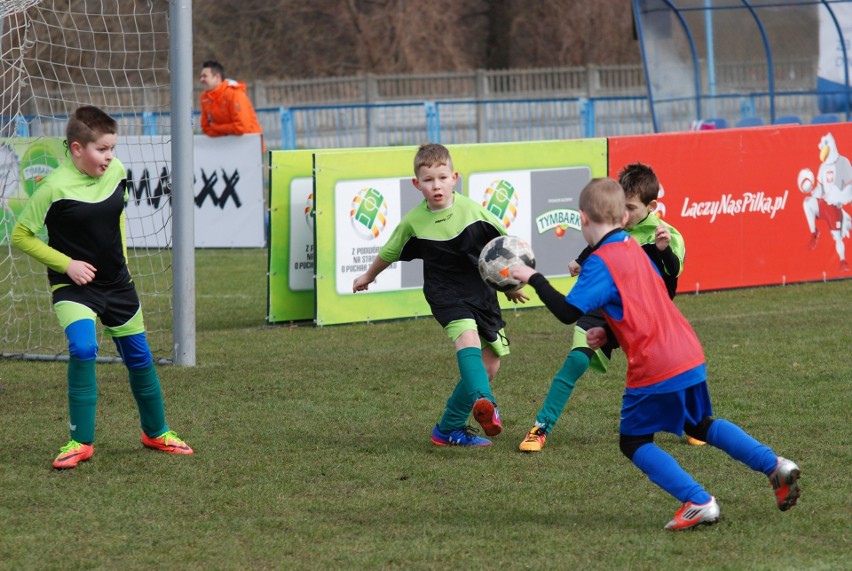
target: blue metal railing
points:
(463, 121)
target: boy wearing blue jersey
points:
(664, 246)
(82, 205)
(666, 373)
(448, 231)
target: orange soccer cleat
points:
(785, 483)
(72, 454)
(167, 442)
(486, 414)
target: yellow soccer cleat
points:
(534, 440)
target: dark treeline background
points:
(268, 39)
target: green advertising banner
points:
(291, 234)
(361, 196)
(291, 237)
(23, 163)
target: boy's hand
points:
(596, 337)
(80, 272)
(574, 268)
(522, 273)
(517, 296)
(361, 283)
(663, 237)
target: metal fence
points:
(454, 122)
(467, 121)
(571, 82)
(480, 107)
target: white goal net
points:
(56, 55)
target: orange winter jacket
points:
(227, 110)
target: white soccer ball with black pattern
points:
(499, 256)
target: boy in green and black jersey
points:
(82, 205)
(448, 231)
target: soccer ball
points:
(806, 180)
(499, 256)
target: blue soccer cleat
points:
(464, 436)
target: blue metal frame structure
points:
(642, 8)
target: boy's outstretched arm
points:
(553, 300)
(364, 280)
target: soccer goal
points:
(56, 55)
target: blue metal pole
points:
(711, 56)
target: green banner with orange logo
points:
(23, 163)
(361, 196)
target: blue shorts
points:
(643, 414)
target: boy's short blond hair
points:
(603, 201)
(430, 154)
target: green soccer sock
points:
(82, 399)
(145, 385)
(576, 363)
(473, 374)
(457, 410)
(473, 385)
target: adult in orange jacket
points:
(225, 106)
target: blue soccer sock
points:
(457, 410)
(741, 446)
(664, 471)
(576, 363)
(82, 399)
(473, 374)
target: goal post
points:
(133, 60)
(183, 196)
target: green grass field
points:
(313, 450)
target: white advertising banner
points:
(301, 274)
(830, 65)
(228, 191)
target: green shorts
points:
(499, 344)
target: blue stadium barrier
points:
(460, 121)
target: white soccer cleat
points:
(785, 483)
(692, 515)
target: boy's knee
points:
(83, 349)
(630, 444)
(82, 343)
(134, 351)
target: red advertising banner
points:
(759, 206)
